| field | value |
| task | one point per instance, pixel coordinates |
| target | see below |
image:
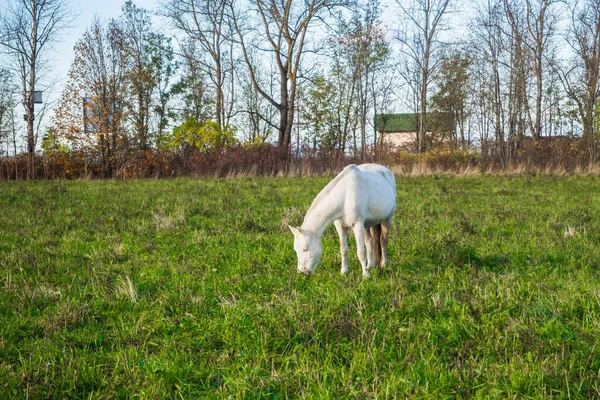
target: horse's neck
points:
(324, 210)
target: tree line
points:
(307, 77)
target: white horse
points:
(361, 198)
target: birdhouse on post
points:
(37, 97)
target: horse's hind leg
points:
(343, 233)
(369, 240)
(376, 238)
(359, 234)
(386, 227)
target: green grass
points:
(188, 289)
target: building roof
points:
(390, 123)
(396, 122)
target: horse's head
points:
(308, 248)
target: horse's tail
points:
(376, 237)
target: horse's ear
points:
(296, 231)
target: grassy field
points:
(188, 289)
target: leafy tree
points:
(165, 68)
(319, 114)
(91, 112)
(141, 75)
(51, 143)
(206, 136)
(450, 102)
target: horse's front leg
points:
(343, 233)
(359, 234)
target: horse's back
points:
(381, 170)
(371, 194)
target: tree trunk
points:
(423, 100)
(498, 116)
(30, 107)
(219, 95)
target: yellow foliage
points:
(203, 135)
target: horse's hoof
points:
(366, 274)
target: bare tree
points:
(27, 29)
(382, 87)
(260, 117)
(7, 105)
(283, 25)
(489, 47)
(581, 76)
(421, 46)
(533, 24)
(7, 100)
(192, 87)
(519, 59)
(205, 22)
(541, 23)
(368, 52)
(344, 74)
(344, 77)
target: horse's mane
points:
(330, 186)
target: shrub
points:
(207, 135)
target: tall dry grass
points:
(550, 158)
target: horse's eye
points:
(305, 249)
